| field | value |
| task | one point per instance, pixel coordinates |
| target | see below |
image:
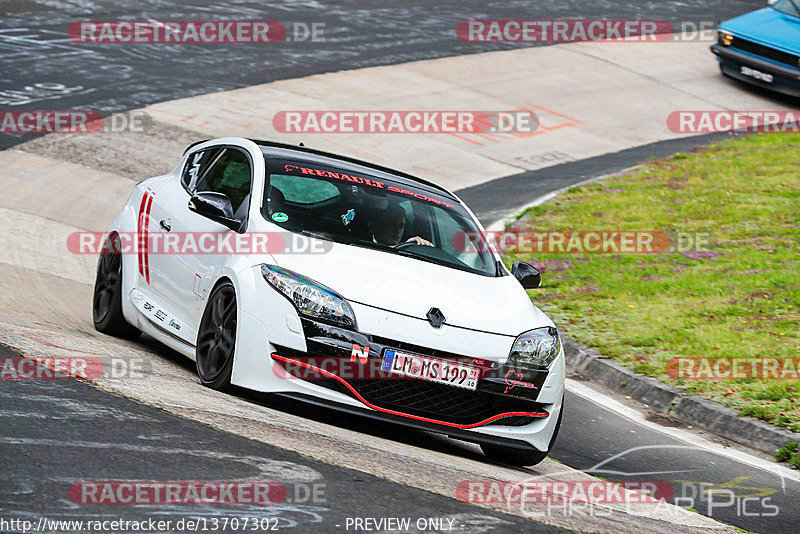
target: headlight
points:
(309, 297)
(538, 347)
(725, 38)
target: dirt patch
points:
(133, 155)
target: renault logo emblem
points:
(436, 317)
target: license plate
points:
(757, 74)
(431, 369)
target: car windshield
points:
(790, 7)
(362, 210)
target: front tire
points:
(216, 338)
(522, 458)
(107, 297)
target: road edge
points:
(496, 202)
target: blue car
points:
(763, 47)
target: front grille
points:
(420, 397)
(765, 51)
(438, 401)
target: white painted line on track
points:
(691, 438)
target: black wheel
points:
(216, 338)
(107, 299)
(519, 457)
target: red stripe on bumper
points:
(401, 414)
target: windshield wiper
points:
(309, 233)
(461, 266)
(337, 238)
(423, 257)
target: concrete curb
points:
(670, 401)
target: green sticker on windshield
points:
(279, 216)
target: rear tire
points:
(522, 458)
(216, 338)
(107, 297)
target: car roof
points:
(311, 155)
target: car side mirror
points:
(215, 206)
(528, 275)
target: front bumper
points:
(786, 79)
(493, 413)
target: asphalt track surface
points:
(605, 444)
(108, 79)
(45, 452)
(41, 69)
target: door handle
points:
(165, 225)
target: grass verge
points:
(738, 298)
(789, 453)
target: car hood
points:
(412, 287)
(767, 26)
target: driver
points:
(388, 226)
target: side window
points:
(230, 175)
(196, 164)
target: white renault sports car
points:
(338, 282)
